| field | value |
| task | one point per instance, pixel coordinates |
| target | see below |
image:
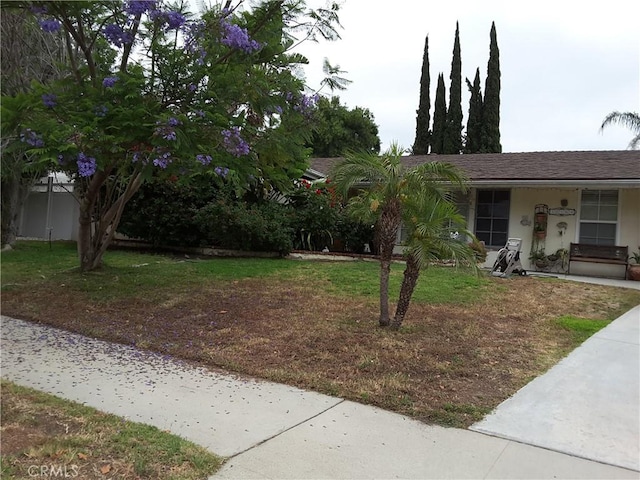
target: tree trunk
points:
(385, 270)
(409, 281)
(96, 229)
(11, 204)
(388, 230)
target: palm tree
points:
(631, 120)
(436, 231)
(385, 187)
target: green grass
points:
(581, 328)
(97, 439)
(127, 273)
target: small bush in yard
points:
(241, 226)
(163, 212)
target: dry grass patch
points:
(450, 364)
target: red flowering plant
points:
(320, 219)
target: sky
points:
(564, 65)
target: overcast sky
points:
(565, 65)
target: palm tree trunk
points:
(388, 225)
(409, 281)
(385, 271)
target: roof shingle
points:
(529, 166)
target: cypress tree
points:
(423, 117)
(453, 136)
(491, 104)
(439, 118)
(474, 122)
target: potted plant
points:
(538, 258)
(633, 271)
(539, 230)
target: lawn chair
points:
(508, 260)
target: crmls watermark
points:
(53, 471)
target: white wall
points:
(64, 214)
(521, 220)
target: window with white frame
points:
(598, 217)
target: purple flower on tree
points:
(306, 104)
(116, 35)
(163, 160)
(49, 100)
(173, 20)
(234, 143)
(221, 171)
(167, 131)
(86, 165)
(204, 159)
(235, 36)
(109, 82)
(31, 138)
(138, 7)
(50, 25)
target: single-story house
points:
(547, 199)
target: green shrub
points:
(238, 225)
(163, 212)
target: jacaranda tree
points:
(155, 90)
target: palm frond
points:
(630, 120)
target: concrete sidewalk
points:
(269, 430)
(587, 405)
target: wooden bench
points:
(610, 254)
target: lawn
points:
(44, 436)
(468, 342)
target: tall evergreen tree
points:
(453, 133)
(439, 118)
(423, 117)
(474, 122)
(491, 105)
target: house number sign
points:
(561, 211)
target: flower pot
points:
(541, 234)
(633, 272)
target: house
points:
(548, 199)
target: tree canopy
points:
(153, 89)
(490, 135)
(390, 193)
(452, 142)
(338, 129)
(423, 115)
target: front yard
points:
(468, 343)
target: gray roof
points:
(618, 166)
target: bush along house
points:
(576, 212)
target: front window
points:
(598, 217)
(492, 217)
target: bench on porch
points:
(609, 254)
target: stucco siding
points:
(630, 219)
(521, 222)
